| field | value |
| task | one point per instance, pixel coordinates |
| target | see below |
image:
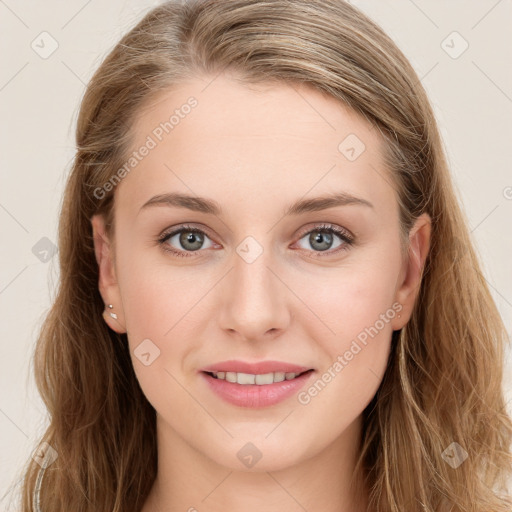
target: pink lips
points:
(254, 395)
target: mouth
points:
(262, 379)
(256, 391)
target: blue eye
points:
(317, 237)
(191, 239)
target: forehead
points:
(229, 107)
(216, 136)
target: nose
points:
(254, 301)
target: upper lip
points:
(258, 368)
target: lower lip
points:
(253, 395)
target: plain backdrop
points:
(460, 50)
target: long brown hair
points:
(443, 383)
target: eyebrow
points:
(209, 206)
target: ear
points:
(107, 282)
(412, 269)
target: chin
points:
(257, 454)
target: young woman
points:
(268, 295)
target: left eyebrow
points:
(326, 201)
(209, 206)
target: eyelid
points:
(327, 226)
(184, 227)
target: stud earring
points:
(399, 316)
(113, 315)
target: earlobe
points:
(107, 280)
(112, 319)
(419, 245)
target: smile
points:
(255, 390)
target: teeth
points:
(249, 378)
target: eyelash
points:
(329, 228)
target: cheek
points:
(356, 309)
(158, 310)
(155, 295)
(353, 298)
(355, 351)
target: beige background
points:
(471, 94)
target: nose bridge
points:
(254, 301)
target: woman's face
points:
(257, 282)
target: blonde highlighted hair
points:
(443, 383)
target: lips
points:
(257, 368)
(255, 395)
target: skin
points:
(255, 150)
